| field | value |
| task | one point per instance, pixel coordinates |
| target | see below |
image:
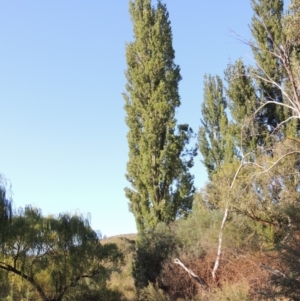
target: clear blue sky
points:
(63, 135)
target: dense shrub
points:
(152, 248)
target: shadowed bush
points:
(152, 248)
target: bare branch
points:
(217, 262)
(226, 213)
(283, 122)
(294, 106)
(275, 163)
(197, 279)
(272, 270)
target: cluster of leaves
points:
(153, 247)
(53, 258)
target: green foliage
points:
(53, 254)
(122, 280)
(153, 247)
(276, 51)
(268, 33)
(4, 284)
(285, 281)
(198, 233)
(5, 211)
(94, 289)
(159, 163)
(214, 138)
(248, 131)
(264, 137)
(258, 197)
(266, 194)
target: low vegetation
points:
(255, 265)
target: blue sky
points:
(63, 135)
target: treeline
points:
(242, 241)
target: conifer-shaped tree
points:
(276, 51)
(268, 35)
(214, 138)
(248, 130)
(158, 167)
(264, 133)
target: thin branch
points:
(283, 122)
(197, 279)
(289, 232)
(226, 213)
(269, 80)
(272, 270)
(275, 163)
(274, 102)
(10, 268)
(217, 262)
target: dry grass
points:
(116, 238)
(123, 280)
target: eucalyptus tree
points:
(159, 161)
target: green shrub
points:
(199, 231)
(152, 248)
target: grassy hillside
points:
(122, 280)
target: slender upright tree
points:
(159, 162)
(5, 212)
(214, 139)
(264, 105)
(268, 36)
(248, 131)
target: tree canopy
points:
(159, 161)
(55, 254)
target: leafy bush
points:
(199, 231)
(152, 248)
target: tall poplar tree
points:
(159, 162)
(214, 139)
(276, 51)
(248, 131)
(268, 33)
(263, 136)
